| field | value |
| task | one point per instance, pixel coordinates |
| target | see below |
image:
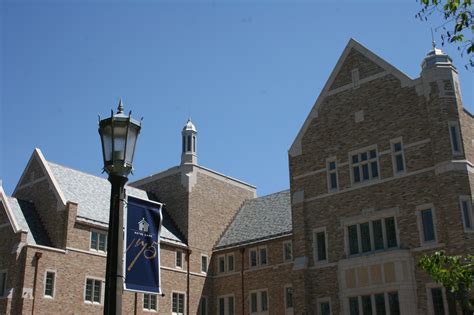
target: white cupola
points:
(189, 137)
(437, 58)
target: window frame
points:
(319, 301)
(184, 302)
(226, 303)
(288, 310)
(429, 295)
(355, 78)
(5, 288)
(393, 142)
(315, 246)
(419, 210)
(227, 262)
(54, 283)
(98, 232)
(258, 249)
(359, 163)
(176, 259)
(156, 303)
(259, 311)
(206, 303)
(458, 137)
(329, 172)
(470, 210)
(204, 269)
(290, 243)
(102, 288)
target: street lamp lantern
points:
(118, 134)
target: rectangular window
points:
(177, 306)
(221, 264)
(437, 300)
(263, 256)
(203, 306)
(258, 256)
(93, 291)
(353, 240)
(324, 308)
(253, 258)
(49, 284)
(203, 263)
(398, 158)
(332, 175)
(179, 259)
(230, 304)
(366, 305)
(288, 297)
(373, 235)
(364, 166)
(320, 250)
(221, 306)
(259, 302)
(393, 303)
(467, 213)
(98, 241)
(149, 302)
(428, 225)
(355, 78)
(287, 251)
(380, 304)
(230, 263)
(455, 138)
(3, 283)
(354, 305)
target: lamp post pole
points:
(118, 135)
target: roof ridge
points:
(272, 194)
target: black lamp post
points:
(119, 135)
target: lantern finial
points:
(120, 107)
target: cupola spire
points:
(189, 139)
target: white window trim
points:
(394, 160)
(184, 302)
(6, 293)
(102, 289)
(176, 259)
(288, 310)
(458, 137)
(315, 246)
(259, 302)
(351, 171)
(149, 309)
(54, 285)
(207, 264)
(206, 302)
(468, 199)
(227, 262)
(106, 240)
(429, 299)
(291, 245)
(219, 265)
(226, 303)
(323, 300)
(419, 209)
(329, 172)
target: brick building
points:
(381, 172)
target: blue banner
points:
(142, 246)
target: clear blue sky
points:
(247, 72)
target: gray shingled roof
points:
(259, 219)
(92, 194)
(28, 220)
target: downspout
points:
(242, 251)
(37, 257)
(135, 310)
(187, 284)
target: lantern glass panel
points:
(120, 133)
(106, 134)
(131, 141)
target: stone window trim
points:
(288, 310)
(99, 233)
(204, 300)
(226, 303)
(258, 251)
(204, 268)
(468, 222)
(102, 286)
(259, 295)
(225, 259)
(3, 290)
(319, 301)
(179, 255)
(429, 299)
(315, 246)
(455, 138)
(54, 272)
(290, 244)
(368, 161)
(355, 78)
(329, 172)
(370, 215)
(395, 153)
(154, 310)
(184, 301)
(419, 209)
(372, 293)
